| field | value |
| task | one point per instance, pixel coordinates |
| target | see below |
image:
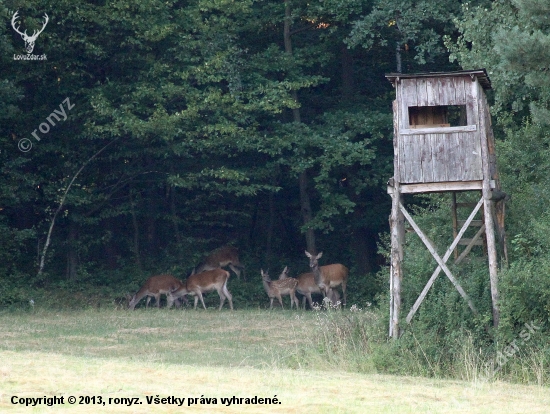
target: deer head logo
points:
(29, 40)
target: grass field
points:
(149, 353)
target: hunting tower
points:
(443, 142)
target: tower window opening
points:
(437, 116)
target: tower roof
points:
(480, 74)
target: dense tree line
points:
(266, 125)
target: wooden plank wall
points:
(439, 157)
(432, 158)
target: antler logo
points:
(29, 40)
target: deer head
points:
(29, 40)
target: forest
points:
(145, 134)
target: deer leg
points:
(148, 301)
(293, 300)
(228, 295)
(280, 299)
(271, 303)
(134, 302)
(171, 300)
(344, 292)
(157, 299)
(178, 300)
(310, 300)
(199, 294)
(196, 301)
(236, 270)
(222, 299)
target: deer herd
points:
(210, 276)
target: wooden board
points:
(456, 158)
(470, 89)
(430, 126)
(440, 154)
(411, 158)
(447, 94)
(438, 130)
(421, 92)
(459, 88)
(408, 98)
(426, 159)
(432, 92)
(438, 187)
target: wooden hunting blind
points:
(443, 142)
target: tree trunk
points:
(175, 218)
(72, 253)
(136, 232)
(347, 74)
(110, 248)
(363, 246)
(306, 213)
(398, 56)
(270, 228)
(304, 195)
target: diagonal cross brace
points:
(445, 258)
(440, 262)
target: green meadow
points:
(121, 356)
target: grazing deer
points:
(156, 286)
(204, 282)
(328, 276)
(224, 256)
(306, 286)
(284, 286)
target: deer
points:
(306, 286)
(156, 286)
(224, 256)
(328, 276)
(283, 286)
(29, 40)
(207, 281)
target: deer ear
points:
(320, 255)
(285, 269)
(308, 254)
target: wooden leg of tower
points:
(500, 209)
(455, 220)
(492, 254)
(397, 225)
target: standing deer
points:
(154, 287)
(29, 40)
(306, 286)
(328, 276)
(204, 282)
(224, 256)
(284, 286)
